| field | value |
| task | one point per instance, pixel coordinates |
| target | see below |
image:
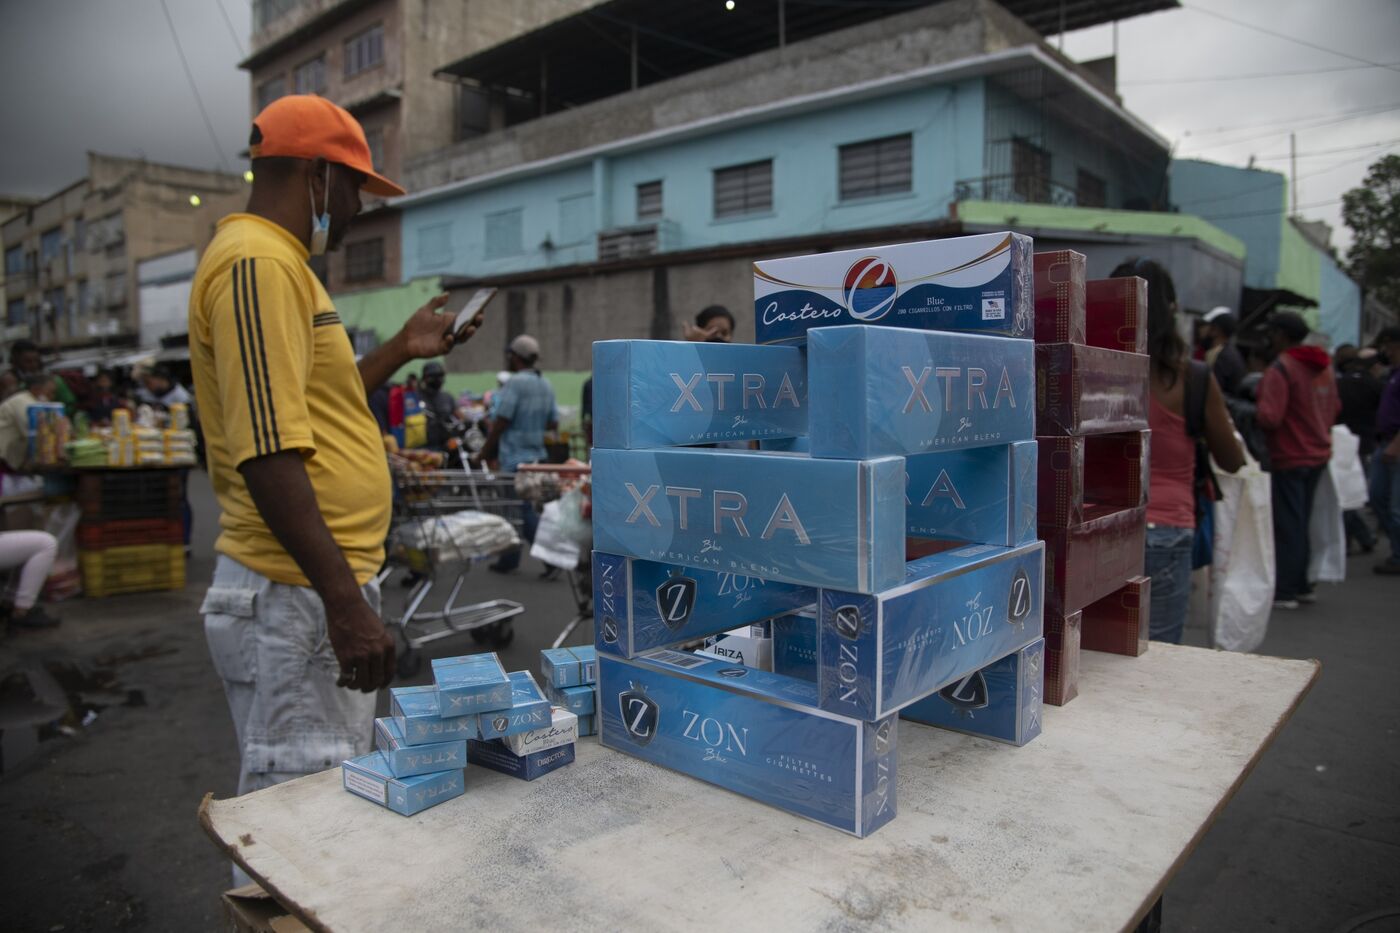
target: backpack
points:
(1206, 487)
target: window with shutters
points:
(364, 50)
(435, 245)
(649, 200)
(576, 220)
(16, 312)
(364, 261)
(1090, 190)
(744, 189)
(270, 90)
(375, 140)
(876, 166)
(310, 77)
(503, 233)
(14, 260)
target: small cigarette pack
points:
(470, 684)
(415, 710)
(406, 760)
(562, 730)
(497, 757)
(368, 776)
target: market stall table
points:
(1082, 829)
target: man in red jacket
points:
(1298, 404)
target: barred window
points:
(310, 77)
(877, 166)
(504, 234)
(270, 90)
(364, 50)
(744, 189)
(649, 200)
(364, 260)
(1090, 190)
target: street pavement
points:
(100, 828)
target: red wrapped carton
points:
(1059, 297)
(1115, 313)
(1088, 390)
(1079, 473)
(1062, 643)
(1086, 562)
(1118, 623)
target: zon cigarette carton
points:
(1081, 475)
(1120, 622)
(528, 710)
(878, 391)
(795, 645)
(497, 757)
(415, 710)
(1002, 701)
(981, 284)
(1086, 562)
(642, 604)
(755, 733)
(781, 517)
(667, 393)
(1116, 312)
(470, 684)
(368, 776)
(986, 495)
(1059, 297)
(406, 760)
(1089, 390)
(569, 667)
(955, 612)
(1062, 644)
(562, 730)
(588, 725)
(577, 700)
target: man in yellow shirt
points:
(295, 457)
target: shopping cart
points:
(540, 483)
(424, 540)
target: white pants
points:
(35, 550)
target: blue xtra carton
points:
(470, 684)
(752, 732)
(878, 391)
(956, 612)
(368, 776)
(982, 283)
(782, 517)
(415, 710)
(668, 393)
(1002, 701)
(577, 700)
(529, 709)
(795, 646)
(406, 760)
(497, 757)
(643, 604)
(983, 496)
(569, 667)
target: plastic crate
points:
(94, 536)
(110, 495)
(138, 569)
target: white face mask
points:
(320, 225)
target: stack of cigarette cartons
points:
(894, 418)
(1091, 424)
(570, 680)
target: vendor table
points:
(1080, 830)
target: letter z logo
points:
(640, 715)
(1021, 600)
(675, 600)
(848, 622)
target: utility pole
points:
(1293, 169)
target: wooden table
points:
(1080, 830)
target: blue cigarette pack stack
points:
(571, 677)
(470, 684)
(986, 495)
(1002, 701)
(415, 711)
(405, 760)
(665, 393)
(529, 709)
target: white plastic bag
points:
(553, 545)
(1345, 466)
(1242, 574)
(1327, 535)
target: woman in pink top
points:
(1171, 497)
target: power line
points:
(1260, 74)
(233, 33)
(1294, 39)
(1215, 130)
(1322, 152)
(1272, 185)
(1284, 132)
(189, 77)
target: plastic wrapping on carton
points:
(1079, 475)
(982, 496)
(577, 700)
(1089, 390)
(641, 604)
(1116, 313)
(666, 393)
(955, 612)
(529, 709)
(497, 757)
(588, 725)
(569, 667)
(981, 283)
(1086, 562)
(562, 730)
(1062, 643)
(795, 645)
(368, 776)
(405, 760)
(1059, 297)
(1119, 623)
(415, 710)
(782, 517)
(880, 391)
(755, 733)
(470, 684)
(1002, 701)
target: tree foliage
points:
(1372, 211)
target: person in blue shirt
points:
(524, 410)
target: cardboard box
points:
(577, 700)
(1002, 701)
(1062, 643)
(752, 732)
(982, 496)
(497, 757)
(1089, 390)
(404, 760)
(1079, 476)
(470, 684)
(1059, 297)
(1086, 562)
(368, 776)
(880, 391)
(587, 725)
(1116, 312)
(642, 604)
(795, 646)
(1119, 623)
(529, 709)
(782, 517)
(981, 283)
(250, 909)
(741, 647)
(415, 710)
(668, 393)
(562, 730)
(955, 613)
(569, 667)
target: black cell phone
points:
(473, 307)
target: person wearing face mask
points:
(295, 456)
(440, 406)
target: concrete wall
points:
(1339, 304)
(164, 295)
(1248, 203)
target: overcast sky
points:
(105, 75)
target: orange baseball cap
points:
(305, 126)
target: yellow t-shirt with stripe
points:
(274, 370)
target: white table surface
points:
(1080, 830)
